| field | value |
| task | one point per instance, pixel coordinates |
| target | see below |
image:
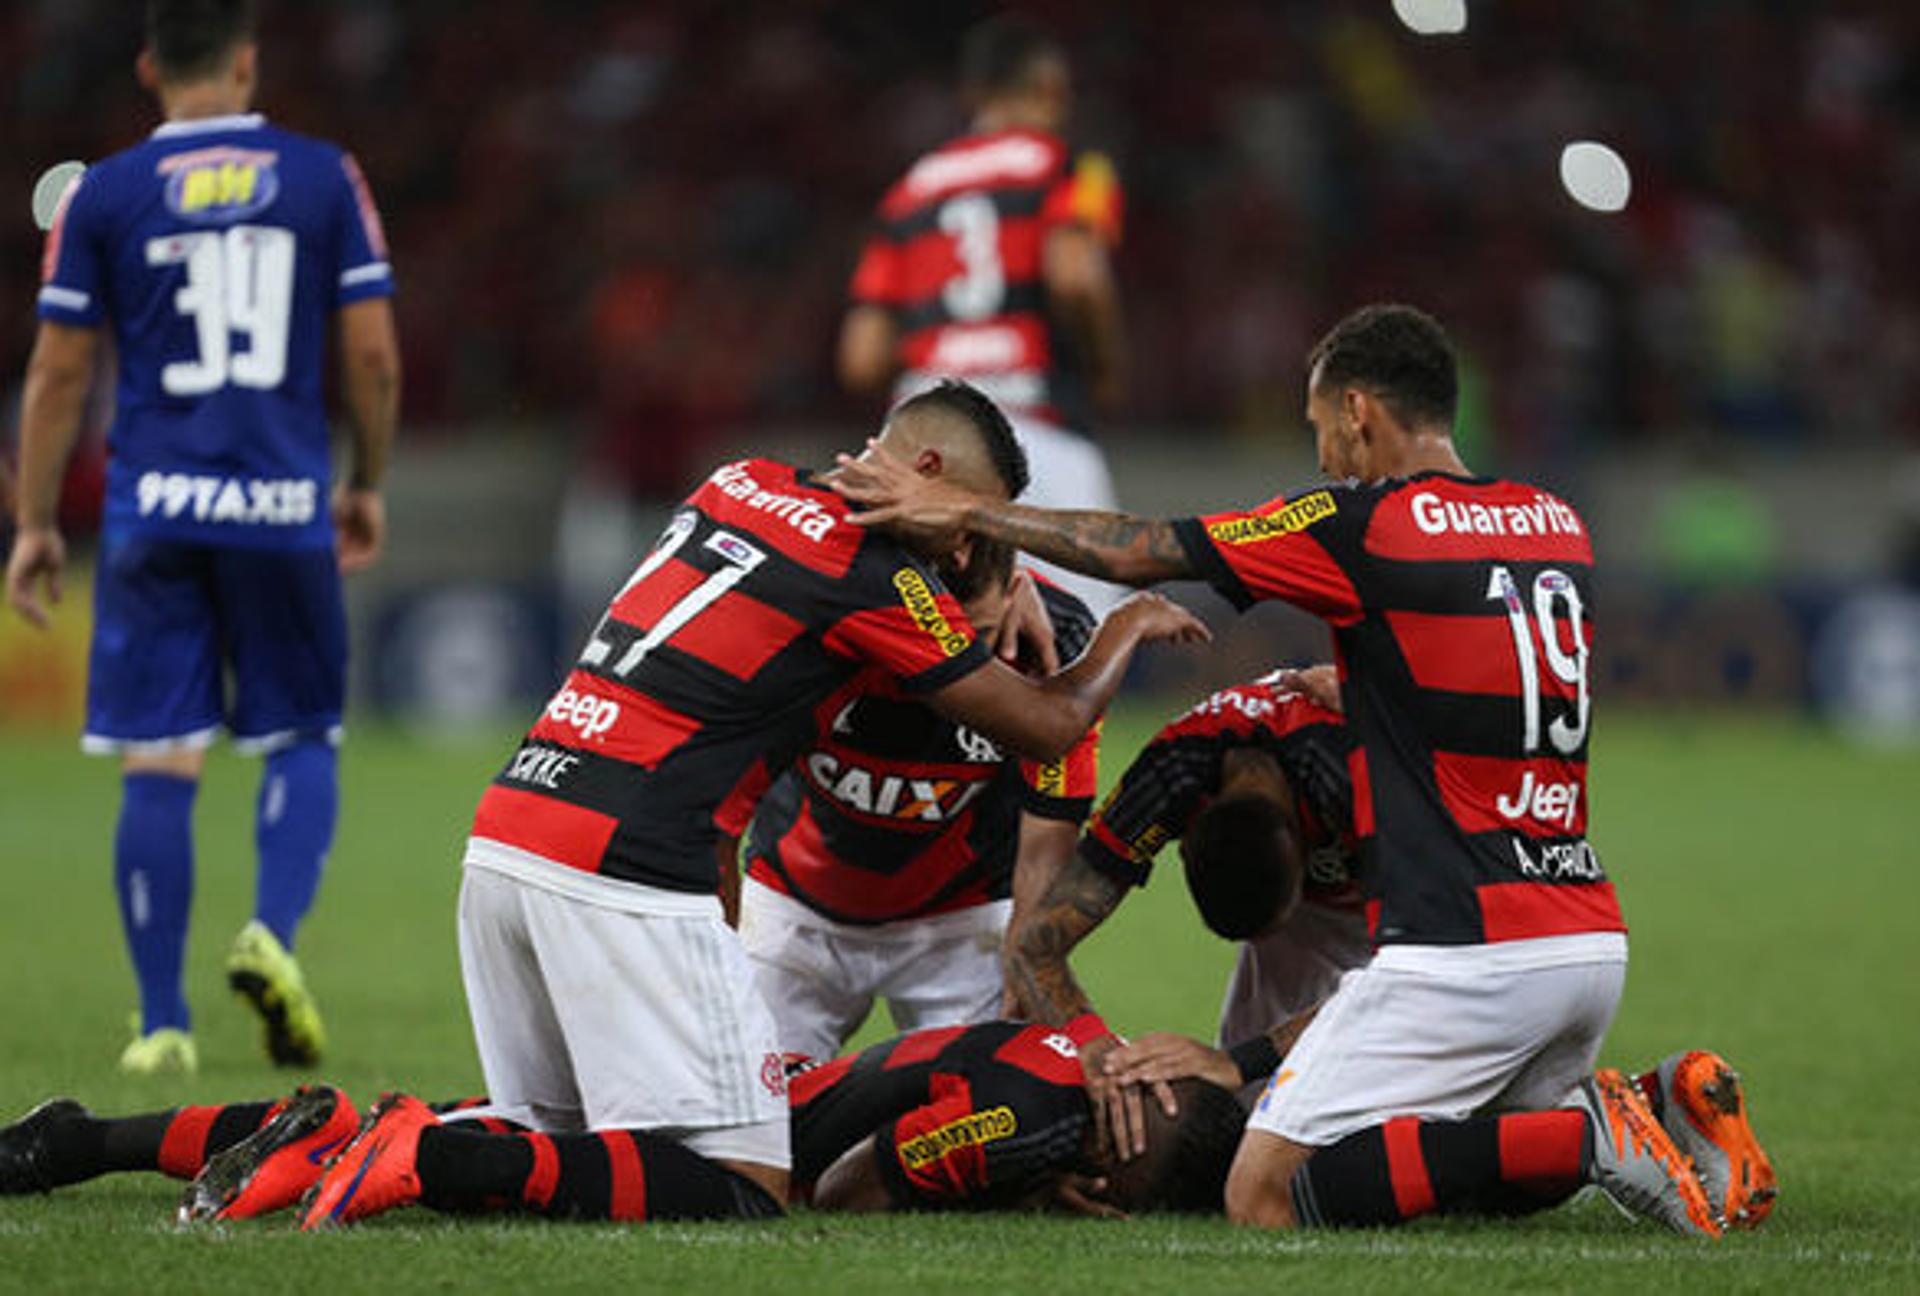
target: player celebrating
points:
(990, 261)
(220, 252)
(605, 989)
(1462, 616)
(881, 863)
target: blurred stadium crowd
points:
(639, 219)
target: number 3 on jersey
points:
(1549, 587)
(739, 559)
(977, 291)
(239, 280)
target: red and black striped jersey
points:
(1177, 773)
(758, 600)
(896, 812)
(955, 256)
(1462, 612)
(975, 1116)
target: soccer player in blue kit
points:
(220, 252)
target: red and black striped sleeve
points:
(1301, 549)
(899, 617)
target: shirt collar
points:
(200, 125)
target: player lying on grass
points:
(978, 1117)
(881, 862)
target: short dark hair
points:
(1398, 353)
(189, 38)
(989, 567)
(1243, 864)
(999, 54)
(970, 403)
(1185, 1165)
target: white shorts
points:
(1291, 969)
(599, 1004)
(820, 977)
(1443, 1032)
(1069, 471)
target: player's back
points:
(218, 249)
(1004, 1100)
(894, 811)
(758, 600)
(1478, 688)
(1180, 769)
(1463, 613)
(957, 256)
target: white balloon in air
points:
(1432, 17)
(1595, 176)
(50, 188)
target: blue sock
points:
(299, 797)
(153, 872)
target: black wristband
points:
(1257, 1058)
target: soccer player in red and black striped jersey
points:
(882, 862)
(1462, 612)
(990, 260)
(606, 991)
(967, 1117)
(1252, 783)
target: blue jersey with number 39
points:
(219, 250)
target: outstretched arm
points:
(1112, 546)
(1042, 719)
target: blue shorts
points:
(189, 638)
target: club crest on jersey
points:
(976, 747)
(220, 184)
(971, 1130)
(1285, 520)
(924, 608)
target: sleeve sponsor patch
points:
(973, 1129)
(1297, 515)
(924, 607)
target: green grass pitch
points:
(1771, 878)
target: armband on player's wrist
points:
(1089, 1026)
(1256, 1058)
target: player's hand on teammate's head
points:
(1159, 619)
(360, 525)
(1024, 637)
(39, 555)
(1160, 1057)
(1119, 1122)
(926, 512)
(1319, 684)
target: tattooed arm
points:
(934, 512)
(1113, 546)
(1039, 981)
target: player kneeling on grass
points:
(885, 860)
(1252, 783)
(992, 1116)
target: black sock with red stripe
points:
(1489, 1165)
(176, 1142)
(611, 1175)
